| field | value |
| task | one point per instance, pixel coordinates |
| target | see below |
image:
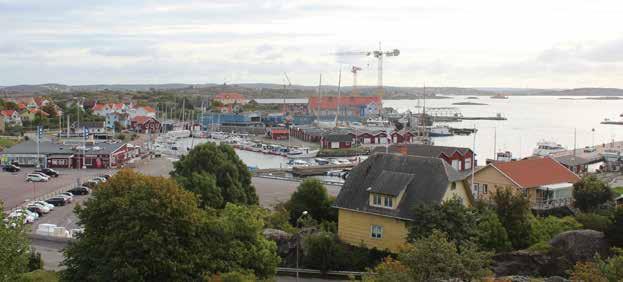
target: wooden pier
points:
(590, 157)
(318, 169)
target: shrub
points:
(541, 247)
(590, 193)
(614, 232)
(513, 210)
(544, 229)
(311, 196)
(34, 260)
(490, 233)
(322, 251)
(594, 221)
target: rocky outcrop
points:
(576, 245)
(520, 263)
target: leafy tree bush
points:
(614, 232)
(13, 248)
(235, 243)
(34, 260)
(311, 196)
(490, 234)
(594, 221)
(544, 229)
(451, 217)
(322, 251)
(221, 172)
(389, 270)
(234, 276)
(138, 228)
(608, 270)
(279, 218)
(435, 258)
(513, 210)
(590, 193)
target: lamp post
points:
(298, 239)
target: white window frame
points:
(376, 197)
(456, 164)
(388, 202)
(468, 163)
(376, 231)
(335, 145)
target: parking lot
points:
(14, 190)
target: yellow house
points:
(375, 203)
(545, 182)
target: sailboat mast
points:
(339, 94)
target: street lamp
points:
(298, 241)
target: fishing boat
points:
(545, 148)
(506, 156)
(321, 161)
(297, 162)
(439, 131)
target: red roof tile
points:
(536, 172)
(141, 119)
(7, 113)
(229, 95)
(330, 102)
(149, 109)
(99, 107)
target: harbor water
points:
(530, 120)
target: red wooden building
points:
(336, 141)
(144, 123)
(459, 158)
(278, 133)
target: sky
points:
(476, 43)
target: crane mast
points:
(354, 70)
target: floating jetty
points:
(612, 122)
(484, 118)
(318, 170)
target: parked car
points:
(57, 201)
(588, 149)
(26, 217)
(36, 178)
(36, 209)
(91, 184)
(48, 172)
(69, 198)
(107, 176)
(80, 190)
(11, 168)
(43, 203)
(46, 208)
(42, 174)
(100, 179)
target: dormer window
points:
(387, 190)
(382, 201)
(389, 202)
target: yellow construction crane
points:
(378, 54)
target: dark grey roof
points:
(338, 138)
(570, 160)
(423, 150)
(49, 148)
(431, 177)
(391, 182)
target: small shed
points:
(279, 134)
(336, 141)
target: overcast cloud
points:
(548, 44)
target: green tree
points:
(490, 233)
(614, 232)
(8, 105)
(50, 109)
(311, 196)
(14, 247)
(590, 193)
(204, 185)
(235, 243)
(322, 251)
(594, 221)
(138, 228)
(219, 162)
(435, 257)
(513, 210)
(587, 271)
(544, 229)
(388, 270)
(451, 217)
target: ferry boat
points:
(545, 148)
(439, 131)
(611, 155)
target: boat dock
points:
(498, 117)
(318, 169)
(584, 157)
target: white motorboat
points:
(439, 131)
(611, 155)
(546, 148)
(302, 153)
(374, 124)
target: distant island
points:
(469, 104)
(605, 98)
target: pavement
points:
(14, 190)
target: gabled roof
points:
(423, 150)
(426, 181)
(536, 172)
(7, 113)
(334, 137)
(99, 107)
(149, 109)
(399, 181)
(229, 95)
(142, 119)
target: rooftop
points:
(423, 150)
(47, 147)
(536, 172)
